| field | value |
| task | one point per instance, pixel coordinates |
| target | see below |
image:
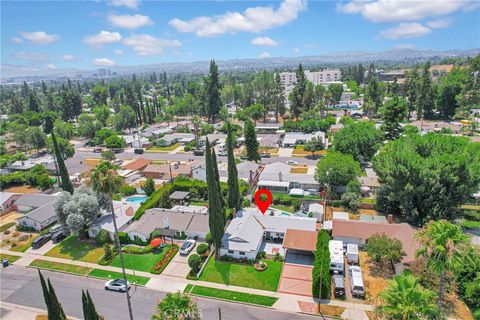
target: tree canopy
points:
(359, 139)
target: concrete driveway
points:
(178, 267)
(296, 279)
(43, 249)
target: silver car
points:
(187, 247)
(117, 285)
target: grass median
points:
(57, 266)
(11, 259)
(232, 295)
(105, 274)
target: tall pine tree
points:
(233, 199)
(216, 216)
(217, 177)
(56, 311)
(214, 101)
(46, 294)
(251, 142)
(89, 311)
(66, 184)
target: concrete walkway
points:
(12, 311)
(168, 283)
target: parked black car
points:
(198, 152)
(40, 241)
(138, 151)
(338, 285)
(59, 236)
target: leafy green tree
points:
(351, 201)
(251, 142)
(66, 149)
(382, 248)
(393, 113)
(36, 139)
(102, 135)
(427, 177)
(425, 94)
(337, 169)
(406, 299)
(44, 182)
(321, 267)
(177, 306)
(114, 142)
(443, 246)
(359, 139)
(216, 217)
(63, 129)
(335, 91)
(149, 186)
(278, 98)
(313, 145)
(214, 101)
(104, 179)
(87, 126)
(412, 79)
(125, 118)
(108, 155)
(194, 262)
(65, 182)
(233, 199)
(373, 98)
(102, 113)
(100, 95)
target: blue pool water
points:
(136, 199)
(285, 214)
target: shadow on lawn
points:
(224, 269)
(77, 249)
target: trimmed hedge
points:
(321, 267)
(202, 248)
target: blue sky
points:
(88, 34)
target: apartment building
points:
(316, 77)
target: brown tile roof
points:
(300, 240)
(364, 230)
(129, 211)
(164, 169)
(137, 164)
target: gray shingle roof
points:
(41, 214)
(35, 200)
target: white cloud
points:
(17, 40)
(255, 19)
(405, 30)
(440, 24)
(104, 62)
(103, 37)
(39, 37)
(132, 4)
(146, 45)
(264, 55)
(31, 56)
(129, 21)
(296, 50)
(68, 57)
(118, 52)
(51, 66)
(264, 42)
(401, 10)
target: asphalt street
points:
(20, 285)
(76, 164)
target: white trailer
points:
(337, 264)
(352, 253)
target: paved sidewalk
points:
(168, 283)
(12, 311)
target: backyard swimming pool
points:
(136, 199)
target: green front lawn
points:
(7, 226)
(243, 275)
(104, 274)
(163, 149)
(140, 262)
(56, 266)
(232, 295)
(11, 259)
(74, 249)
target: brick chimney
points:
(390, 218)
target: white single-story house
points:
(124, 214)
(39, 218)
(28, 202)
(249, 229)
(199, 172)
(291, 139)
(169, 222)
(276, 177)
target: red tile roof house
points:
(163, 171)
(137, 164)
(357, 232)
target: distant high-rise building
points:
(316, 77)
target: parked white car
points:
(292, 162)
(187, 247)
(117, 285)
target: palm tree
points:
(443, 245)
(104, 179)
(406, 299)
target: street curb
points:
(233, 301)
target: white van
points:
(352, 253)
(356, 282)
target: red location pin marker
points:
(263, 204)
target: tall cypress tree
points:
(214, 100)
(46, 294)
(251, 142)
(216, 216)
(57, 310)
(233, 199)
(66, 184)
(85, 306)
(217, 178)
(89, 311)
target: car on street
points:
(117, 285)
(40, 241)
(292, 162)
(59, 236)
(265, 155)
(338, 285)
(138, 151)
(97, 150)
(187, 246)
(223, 153)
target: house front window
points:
(230, 251)
(242, 253)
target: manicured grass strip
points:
(470, 224)
(25, 245)
(6, 226)
(56, 266)
(198, 203)
(188, 288)
(11, 258)
(105, 274)
(74, 249)
(139, 262)
(283, 208)
(233, 296)
(242, 275)
(163, 149)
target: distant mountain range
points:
(403, 55)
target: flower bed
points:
(260, 265)
(162, 264)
